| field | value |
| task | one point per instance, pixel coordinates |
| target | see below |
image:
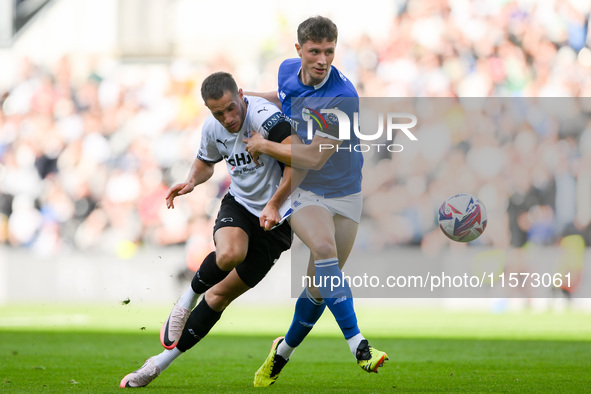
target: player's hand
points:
(178, 190)
(255, 144)
(269, 217)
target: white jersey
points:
(252, 184)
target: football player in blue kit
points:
(327, 204)
(250, 231)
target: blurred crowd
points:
(85, 163)
(527, 159)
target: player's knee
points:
(324, 250)
(314, 292)
(229, 258)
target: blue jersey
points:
(341, 175)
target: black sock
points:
(200, 321)
(208, 275)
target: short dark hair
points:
(316, 29)
(215, 85)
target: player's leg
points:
(314, 225)
(253, 255)
(231, 236)
(263, 250)
(316, 228)
(310, 305)
(319, 236)
(205, 315)
(368, 358)
(254, 267)
(209, 310)
(231, 244)
(332, 286)
(231, 249)
(345, 234)
(308, 309)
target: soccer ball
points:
(462, 217)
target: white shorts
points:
(349, 206)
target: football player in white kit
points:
(250, 231)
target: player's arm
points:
(311, 156)
(280, 133)
(292, 177)
(200, 172)
(269, 96)
(298, 154)
(270, 215)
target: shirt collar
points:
(321, 84)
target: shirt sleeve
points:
(208, 151)
(265, 118)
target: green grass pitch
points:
(53, 348)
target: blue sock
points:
(337, 294)
(306, 314)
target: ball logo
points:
(462, 217)
(462, 227)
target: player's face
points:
(316, 60)
(229, 110)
